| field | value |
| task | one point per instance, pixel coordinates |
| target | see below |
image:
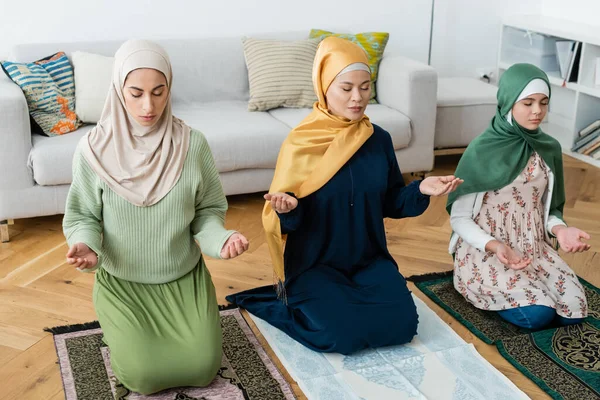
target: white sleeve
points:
(461, 220)
(552, 222)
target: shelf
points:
(589, 90)
(582, 157)
(574, 105)
(553, 77)
(555, 27)
(557, 80)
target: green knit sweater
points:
(153, 244)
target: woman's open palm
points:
(439, 185)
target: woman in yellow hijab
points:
(337, 178)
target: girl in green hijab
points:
(511, 204)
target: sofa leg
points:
(4, 236)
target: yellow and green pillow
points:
(372, 42)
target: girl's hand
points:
(81, 257)
(570, 239)
(507, 256)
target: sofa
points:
(210, 93)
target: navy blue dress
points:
(344, 290)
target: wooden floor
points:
(37, 288)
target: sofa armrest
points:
(15, 137)
(410, 87)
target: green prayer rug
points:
(563, 361)
(246, 373)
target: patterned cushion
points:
(372, 42)
(49, 89)
(280, 73)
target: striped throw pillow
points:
(280, 73)
(49, 89)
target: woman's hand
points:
(506, 255)
(439, 185)
(234, 246)
(81, 257)
(570, 239)
(282, 202)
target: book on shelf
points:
(583, 143)
(564, 51)
(595, 154)
(595, 146)
(590, 128)
(573, 71)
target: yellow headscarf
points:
(319, 146)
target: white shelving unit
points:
(531, 38)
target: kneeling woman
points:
(145, 189)
(511, 205)
(336, 179)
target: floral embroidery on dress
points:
(560, 285)
(582, 303)
(493, 275)
(512, 281)
(529, 170)
(530, 296)
(517, 197)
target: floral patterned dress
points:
(514, 215)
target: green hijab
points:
(496, 157)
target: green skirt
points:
(160, 335)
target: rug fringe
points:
(58, 330)
(430, 276)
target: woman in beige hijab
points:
(145, 193)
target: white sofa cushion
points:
(51, 158)
(453, 92)
(393, 121)
(238, 139)
(465, 107)
(93, 76)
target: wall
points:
(76, 20)
(466, 32)
(584, 11)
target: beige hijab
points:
(141, 164)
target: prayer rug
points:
(246, 371)
(563, 361)
(437, 364)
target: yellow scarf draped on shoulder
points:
(319, 146)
